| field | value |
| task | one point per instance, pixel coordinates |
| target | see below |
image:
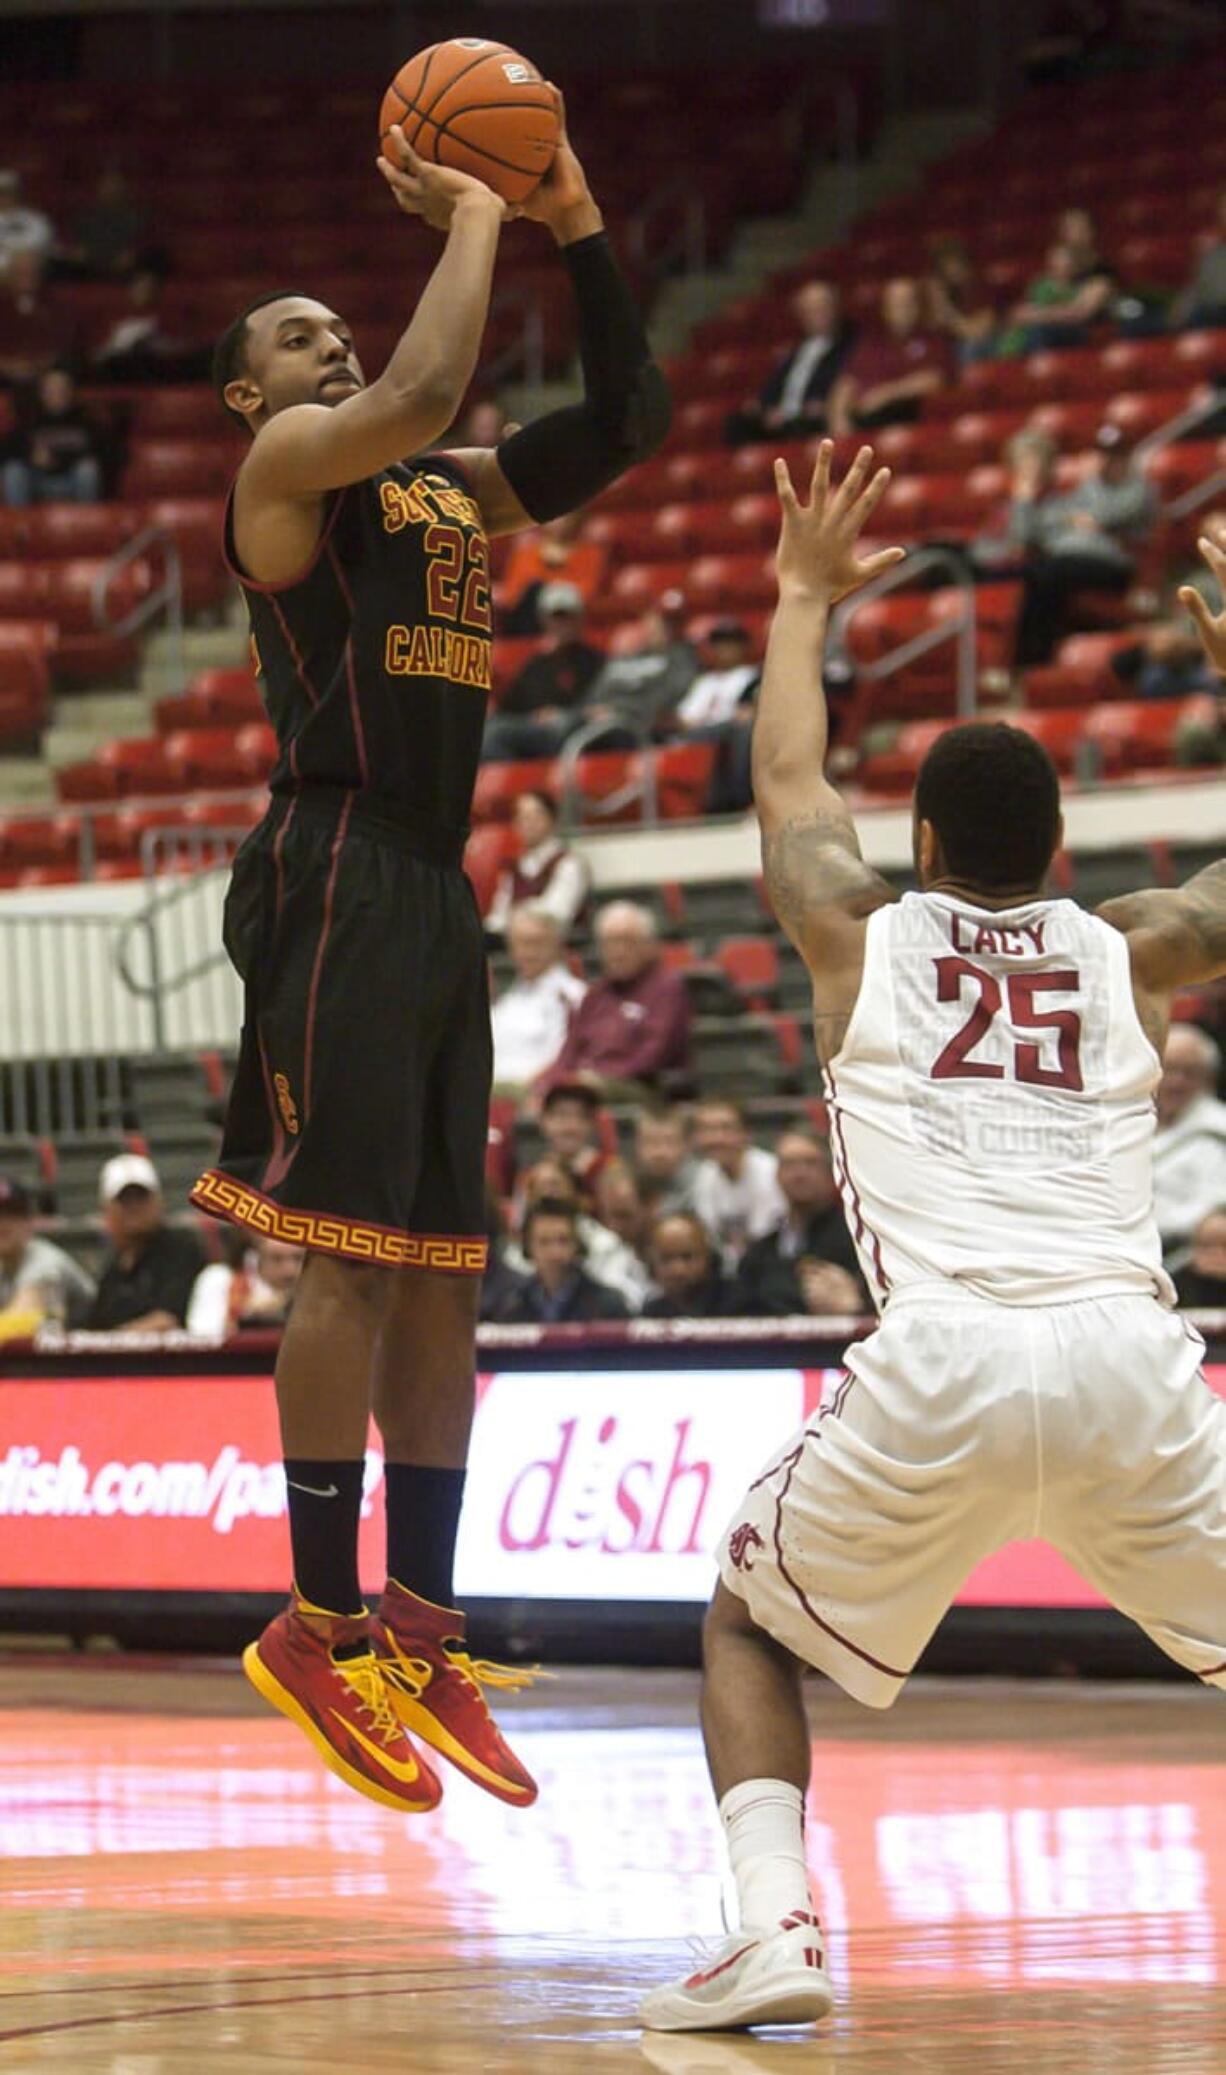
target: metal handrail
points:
(643, 788)
(143, 925)
(166, 596)
(1175, 428)
(690, 244)
(960, 628)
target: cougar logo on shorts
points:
(286, 1104)
(741, 1542)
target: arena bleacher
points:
(699, 517)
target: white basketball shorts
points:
(961, 1425)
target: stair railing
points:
(166, 596)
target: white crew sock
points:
(764, 1825)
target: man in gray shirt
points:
(37, 1279)
(1080, 540)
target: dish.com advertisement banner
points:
(585, 1485)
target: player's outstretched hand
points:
(1211, 626)
(562, 199)
(816, 556)
(429, 191)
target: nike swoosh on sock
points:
(327, 1491)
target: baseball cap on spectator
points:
(1111, 439)
(672, 604)
(559, 598)
(127, 1171)
(15, 1199)
(727, 630)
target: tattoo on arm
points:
(813, 861)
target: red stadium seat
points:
(1061, 730)
(487, 851)
(1138, 734)
(752, 965)
(683, 779)
(499, 786)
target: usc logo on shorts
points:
(286, 1104)
(741, 1543)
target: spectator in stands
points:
(1167, 661)
(22, 229)
(718, 708)
(605, 1255)
(553, 878)
(558, 1289)
(544, 704)
(686, 1270)
(892, 368)
(1202, 304)
(631, 1031)
(56, 454)
(108, 238)
(647, 683)
(151, 1269)
(500, 1282)
(38, 1281)
(1201, 1282)
(553, 554)
(806, 1262)
(138, 347)
(1076, 290)
(791, 403)
(958, 303)
(1080, 540)
(569, 1120)
(736, 1190)
(663, 1163)
(34, 332)
(255, 1293)
(621, 1210)
(1190, 1142)
(1030, 462)
(530, 1018)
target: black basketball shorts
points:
(358, 1114)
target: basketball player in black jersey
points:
(357, 1120)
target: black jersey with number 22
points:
(375, 661)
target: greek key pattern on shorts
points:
(221, 1195)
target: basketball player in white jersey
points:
(990, 1061)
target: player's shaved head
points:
(262, 348)
(989, 796)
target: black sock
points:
(423, 1520)
(325, 1500)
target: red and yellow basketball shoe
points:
(343, 1704)
(435, 1689)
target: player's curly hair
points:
(230, 352)
(992, 795)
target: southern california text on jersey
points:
(375, 660)
(991, 1106)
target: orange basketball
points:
(477, 106)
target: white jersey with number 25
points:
(991, 1106)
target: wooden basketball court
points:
(1016, 1880)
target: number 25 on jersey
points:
(1050, 1059)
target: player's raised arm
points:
(1211, 626)
(1177, 936)
(810, 853)
(312, 448)
(566, 458)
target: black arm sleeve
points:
(562, 460)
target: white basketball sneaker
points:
(751, 1979)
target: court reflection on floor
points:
(1004, 1863)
